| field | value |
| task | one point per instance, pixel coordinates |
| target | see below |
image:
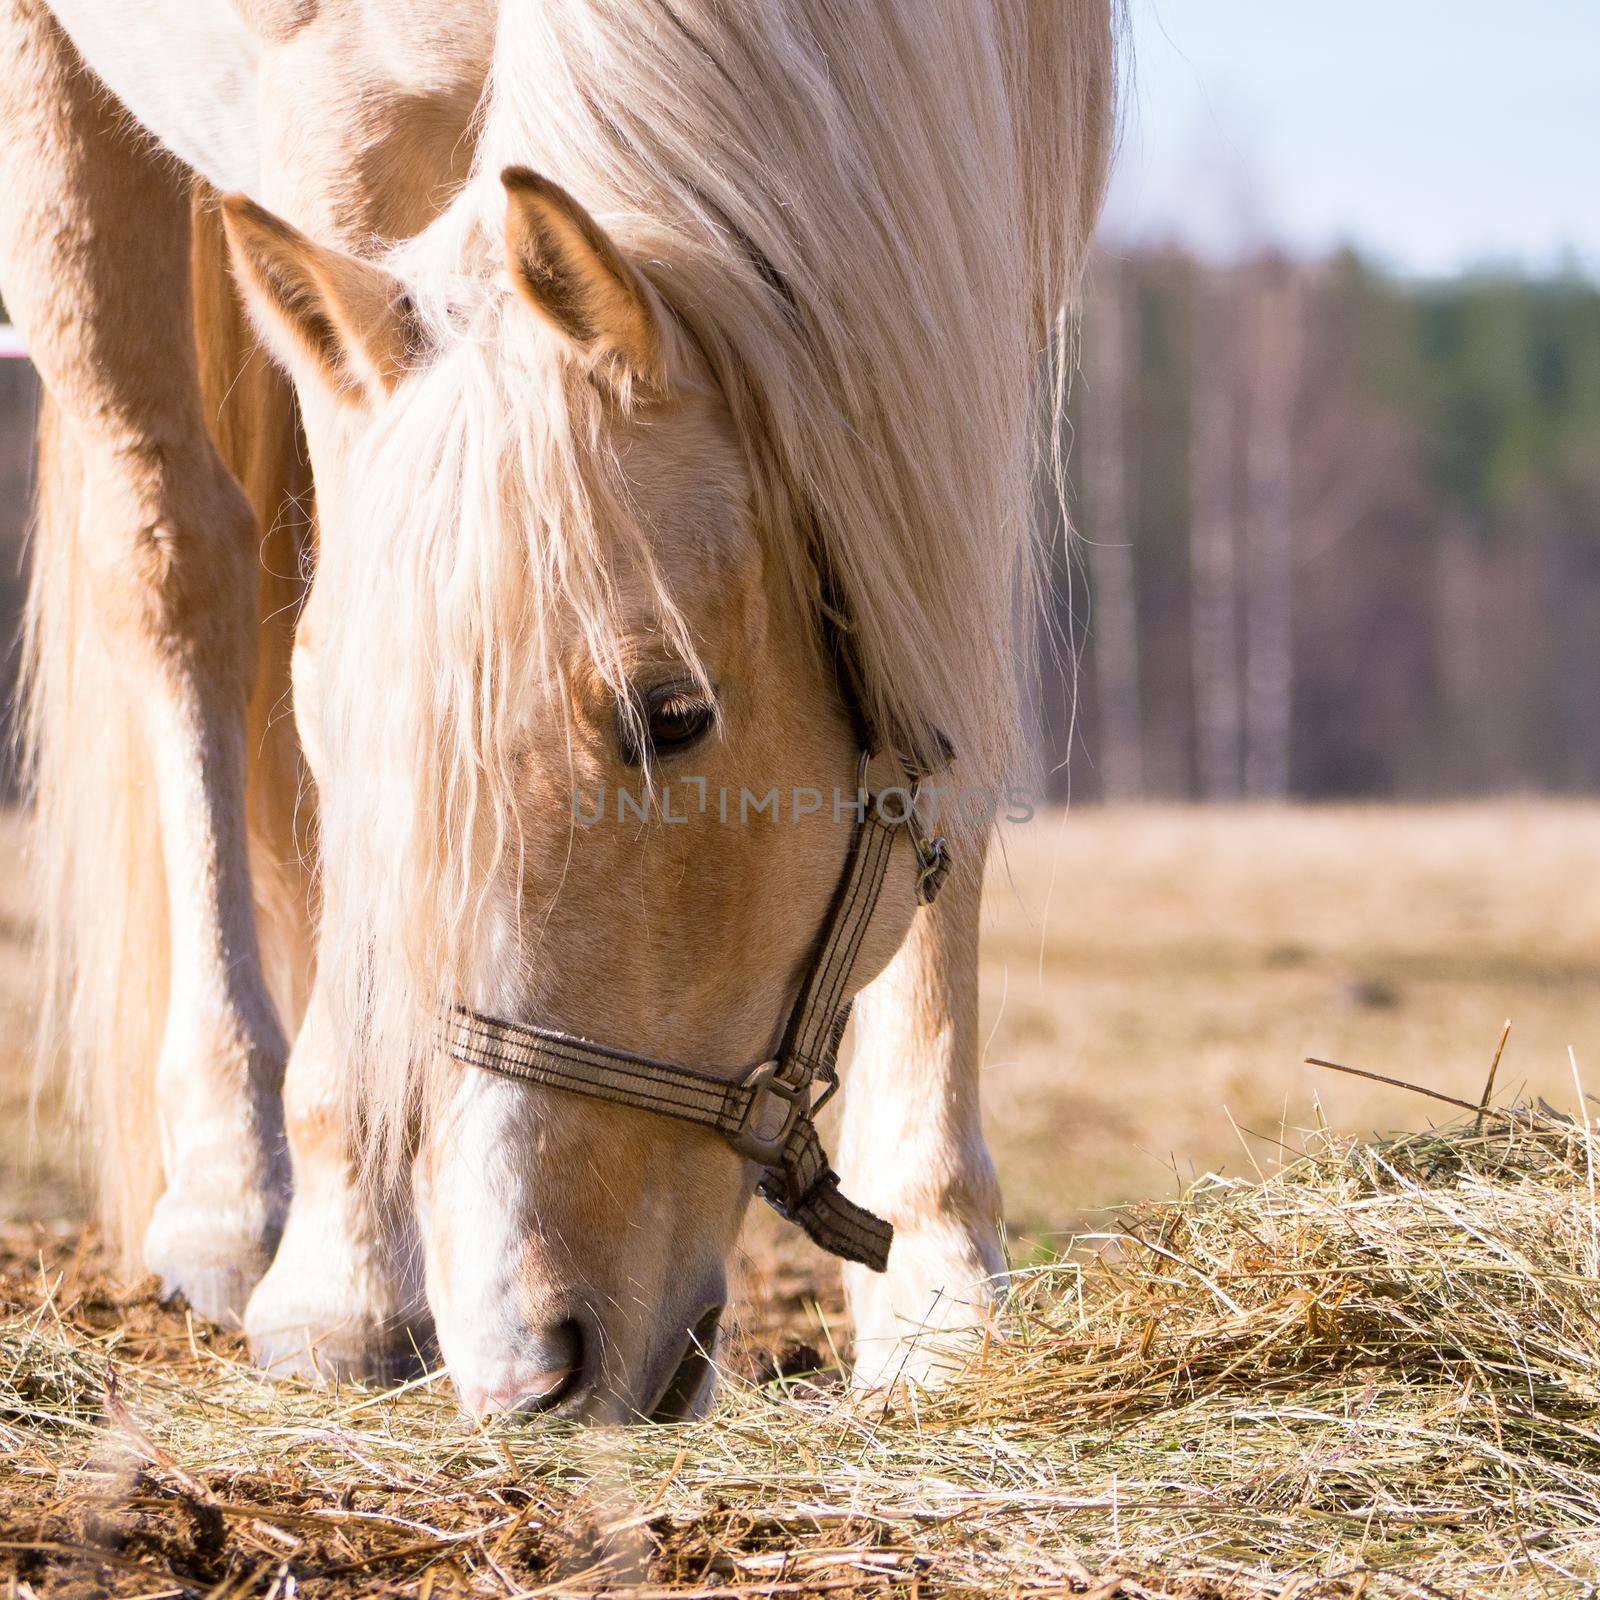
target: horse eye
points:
(673, 718)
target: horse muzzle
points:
(564, 1371)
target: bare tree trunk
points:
(1269, 477)
(1114, 618)
(1213, 598)
(1459, 607)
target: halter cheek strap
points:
(767, 1115)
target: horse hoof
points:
(215, 1272)
(219, 1294)
(928, 1318)
(380, 1357)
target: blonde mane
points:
(869, 218)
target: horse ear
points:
(571, 273)
(328, 316)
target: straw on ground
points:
(1377, 1370)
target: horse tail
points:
(99, 885)
(99, 880)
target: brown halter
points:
(768, 1114)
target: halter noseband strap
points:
(768, 1115)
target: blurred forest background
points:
(1334, 447)
(19, 401)
(1339, 534)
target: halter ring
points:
(766, 1150)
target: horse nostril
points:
(687, 1384)
(541, 1381)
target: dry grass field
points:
(1375, 1372)
(1153, 980)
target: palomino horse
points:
(667, 371)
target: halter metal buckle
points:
(767, 1150)
(933, 866)
(934, 859)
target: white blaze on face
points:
(473, 1205)
(505, 1342)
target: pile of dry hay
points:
(1376, 1371)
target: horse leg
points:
(343, 1299)
(155, 575)
(913, 1149)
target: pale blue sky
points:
(1436, 134)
